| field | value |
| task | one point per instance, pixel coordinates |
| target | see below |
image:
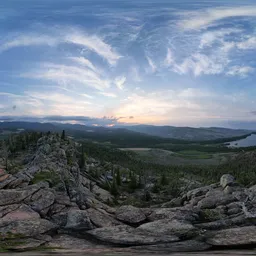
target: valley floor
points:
(184, 157)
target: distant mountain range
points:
(143, 131)
(188, 133)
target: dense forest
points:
(242, 167)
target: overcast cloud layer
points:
(138, 61)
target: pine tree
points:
(63, 135)
(133, 183)
(82, 158)
(118, 178)
(113, 188)
(164, 181)
(6, 153)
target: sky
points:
(161, 62)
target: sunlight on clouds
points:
(158, 106)
(86, 95)
(191, 104)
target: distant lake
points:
(247, 142)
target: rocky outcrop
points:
(52, 203)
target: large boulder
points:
(216, 200)
(18, 212)
(227, 180)
(233, 237)
(13, 196)
(123, 235)
(25, 228)
(130, 214)
(225, 223)
(78, 220)
(169, 227)
(102, 194)
(101, 218)
(173, 213)
(253, 189)
(197, 192)
(42, 200)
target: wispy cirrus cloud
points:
(242, 71)
(30, 39)
(152, 66)
(169, 59)
(95, 44)
(204, 18)
(108, 94)
(247, 44)
(39, 102)
(67, 74)
(74, 36)
(213, 55)
(210, 37)
(84, 62)
(120, 81)
(55, 97)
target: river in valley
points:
(249, 141)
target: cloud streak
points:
(120, 81)
(74, 36)
(202, 19)
(66, 74)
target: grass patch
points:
(49, 176)
(193, 154)
(8, 245)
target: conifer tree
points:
(133, 183)
(63, 135)
(164, 181)
(82, 158)
(118, 178)
(113, 188)
(6, 153)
